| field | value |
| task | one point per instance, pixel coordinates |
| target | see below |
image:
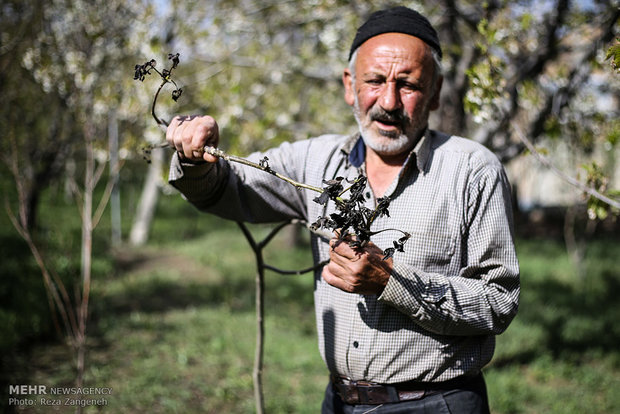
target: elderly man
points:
(410, 333)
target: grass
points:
(172, 328)
(560, 354)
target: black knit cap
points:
(399, 20)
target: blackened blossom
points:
(145, 69)
(174, 58)
(176, 94)
(352, 217)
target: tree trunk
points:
(148, 200)
(115, 197)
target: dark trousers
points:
(471, 399)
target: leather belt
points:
(370, 393)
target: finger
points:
(187, 131)
(336, 269)
(170, 133)
(343, 261)
(342, 248)
(172, 130)
(197, 153)
(336, 281)
(175, 131)
(206, 134)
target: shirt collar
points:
(357, 155)
(355, 150)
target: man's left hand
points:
(357, 270)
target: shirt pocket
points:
(430, 251)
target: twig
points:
(157, 119)
(297, 272)
(257, 372)
(107, 193)
(263, 243)
(219, 153)
(216, 152)
(54, 299)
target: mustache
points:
(393, 117)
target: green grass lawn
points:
(173, 329)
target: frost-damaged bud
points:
(264, 164)
(140, 73)
(322, 222)
(357, 189)
(382, 206)
(142, 70)
(399, 246)
(176, 94)
(174, 58)
(332, 190)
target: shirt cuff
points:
(180, 169)
(411, 291)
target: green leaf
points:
(526, 21)
(613, 54)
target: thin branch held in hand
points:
(351, 216)
(141, 71)
(263, 165)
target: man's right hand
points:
(189, 134)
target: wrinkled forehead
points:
(407, 53)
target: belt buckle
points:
(376, 394)
(362, 392)
(411, 395)
(347, 393)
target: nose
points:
(390, 97)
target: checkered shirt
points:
(451, 291)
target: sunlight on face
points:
(395, 91)
(390, 142)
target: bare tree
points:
(71, 63)
(148, 199)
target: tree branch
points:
(257, 372)
(534, 68)
(54, 300)
(221, 154)
(107, 193)
(544, 161)
(296, 272)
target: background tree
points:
(36, 136)
(74, 62)
(270, 71)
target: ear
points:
(349, 88)
(435, 99)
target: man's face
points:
(393, 91)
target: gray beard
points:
(387, 143)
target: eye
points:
(408, 86)
(374, 81)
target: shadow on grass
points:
(163, 295)
(565, 320)
(23, 309)
(155, 282)
(579, 318)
